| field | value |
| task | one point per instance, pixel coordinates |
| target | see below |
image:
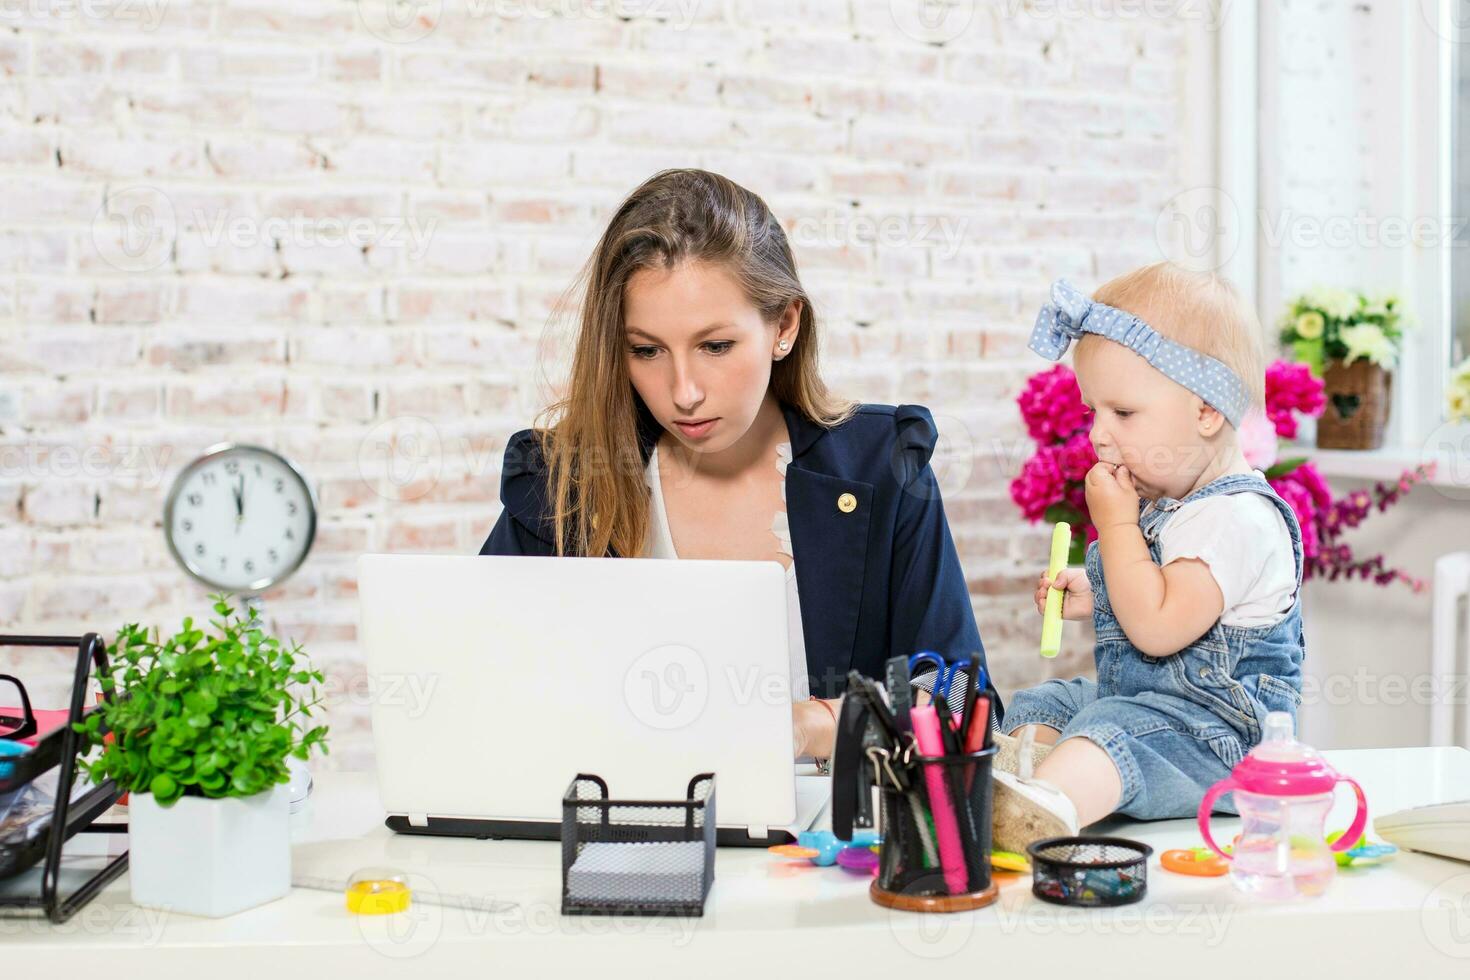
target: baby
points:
(1193, 583)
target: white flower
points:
(1336, 303)
(1457, 399)
(1368, 340)
(1309, 325)
(1458, 409)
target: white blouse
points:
(660, 544)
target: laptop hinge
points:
(757, 831)
(418, 819)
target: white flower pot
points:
(209, 857)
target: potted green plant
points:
(199, 733)
(1352, 342)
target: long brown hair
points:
(589, 437)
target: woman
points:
(696, 425)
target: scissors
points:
(944, 671)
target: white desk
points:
(1409, 918)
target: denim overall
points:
(1175, 725)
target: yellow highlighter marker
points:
(1051, 623)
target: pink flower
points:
(1308, 476)
(1291, 388)
(1053, 475)
(1078, 457)
(1040, 484)
(1257, 440)
(1294, 493)
(1051, 406)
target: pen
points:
(948, 734)
(921, 827)
(972, 678)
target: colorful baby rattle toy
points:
(824, 849)
(1201, 862)
(1010, 861)
(860, 855)
(1363, 853)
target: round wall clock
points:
(240, 518)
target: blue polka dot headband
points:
(1071, 313)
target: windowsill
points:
(1452, 467)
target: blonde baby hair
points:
(1200, 310)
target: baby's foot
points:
(1028, 810)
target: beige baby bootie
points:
(1008, 753)
(1026, 809)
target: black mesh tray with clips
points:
(1089, 872)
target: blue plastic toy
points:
(821, 847)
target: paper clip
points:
(931, 853)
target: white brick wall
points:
(149, 160)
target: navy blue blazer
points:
(875, 582)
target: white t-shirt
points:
(1245, 541)
(660, 544)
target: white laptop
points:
(495, 680)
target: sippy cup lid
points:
(1282, 766)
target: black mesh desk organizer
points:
(636, 857)
(58, 750)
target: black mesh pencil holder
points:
(930, 862)
(1090, 872)
(636, 857)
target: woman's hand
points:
(814, 729)
(1111, 497)
(1076, 596)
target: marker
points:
(946, 827)
(975, 737)
(1051, 623)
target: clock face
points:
(240, 518)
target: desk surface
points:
(1413, 912)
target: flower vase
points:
(1358, 398)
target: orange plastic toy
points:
(1200, 862)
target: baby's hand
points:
(1111, 496)
(1077, 597)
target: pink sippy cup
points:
(1283, 790)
